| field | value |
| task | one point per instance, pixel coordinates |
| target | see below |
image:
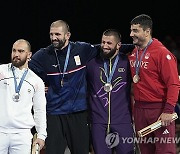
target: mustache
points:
(16, 58)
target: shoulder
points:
(159, 51)
(35, 77)
(159, 47)
(4, 67)
(123, 56)
(44, 51)
(81, 44)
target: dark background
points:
(30, 19)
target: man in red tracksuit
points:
(155, 87)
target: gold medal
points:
(136, 78)
(107, 87)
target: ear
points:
(148, 32)
(67, 35)
(118, 45)
(29, 55)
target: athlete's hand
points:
(40, 142)
(46, 89)
(166, 119)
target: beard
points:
(108, 55)
(17, 62)
(58, 44)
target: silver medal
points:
(16, 97)
(107, 87)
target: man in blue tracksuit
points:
(62, 66)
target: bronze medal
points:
(62, 83)
(107, 87)
(136, 78)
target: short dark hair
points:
(62, 23)
(113, 32)
(144, 20)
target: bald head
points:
(21, 53)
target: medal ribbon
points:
(66, 61)
(109, 78)
(138, 62)
(18, 87)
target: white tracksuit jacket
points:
(17, 116)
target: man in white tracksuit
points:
(21, 90)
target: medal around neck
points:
(62, 83)
(107, 87)
(16, 97)
(112, 140)
(136, 78)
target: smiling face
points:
(139, 35)
(109, 46)
(141, 30)
(59, 34)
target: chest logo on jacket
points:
(77, 60)
(117, 84)
(147, 56)
(55, 66)
(121, 69)
(143, 64)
